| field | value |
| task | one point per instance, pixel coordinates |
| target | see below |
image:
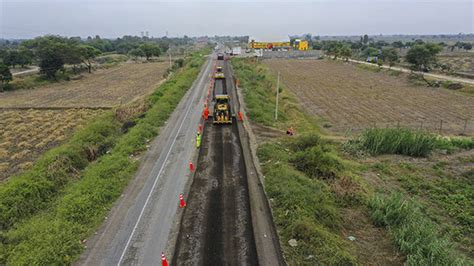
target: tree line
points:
(51, 53)
(420, 55)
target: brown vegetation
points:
(26, 134)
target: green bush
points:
(259, 92)
(303, 209)
(317, 163)
(397, 141)
(415, 234)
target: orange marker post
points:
(241, 118)
(182, 203)
(164, 262)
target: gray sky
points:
(262, 20)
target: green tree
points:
(365, 40)
(5, 76)
(398, 44)
(370, 51)
(87, 53)
(136, 53)
(52, 52)
(150, 50)
(25, 56)
(344, 52)
(422, 56)
(390, 55)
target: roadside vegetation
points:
(49, 211)
(310, 182)
(404, 141)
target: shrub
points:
(415, 234)
(317, 163)
(397, 141)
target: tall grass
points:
(415, 234)
(397, 141)
(53, 236)
(303, 208)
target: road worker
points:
(198, 140)
(290, 131)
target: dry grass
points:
(350, 98)
(103, 88)
(25, 134)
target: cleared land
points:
(103, 88)
(459, 61)
(350, 98)
(26, 134)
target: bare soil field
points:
(459, 61)
(352, 99)
(26, 134)
(102, 88)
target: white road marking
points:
(156, 180)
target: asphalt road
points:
(140, 223)
(217, 225)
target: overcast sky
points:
(263, 20)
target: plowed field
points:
(351, 99)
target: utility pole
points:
(169, 53)
(277, 94)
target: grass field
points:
(25, 134)
(102, 88)
(398, 208)
(350, 98)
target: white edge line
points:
(156, 181)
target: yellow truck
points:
(300, 45)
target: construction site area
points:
(247, 133)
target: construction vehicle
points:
(300, 45)
(219, 73)
(220, 56)
(222, 112)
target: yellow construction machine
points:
(219, 73)
(222, 112)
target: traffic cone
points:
(191, 166)
(182, 203)
(164, 262)
(199, 128)
(241, 118)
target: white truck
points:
(236, 50)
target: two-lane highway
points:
(140, 223)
